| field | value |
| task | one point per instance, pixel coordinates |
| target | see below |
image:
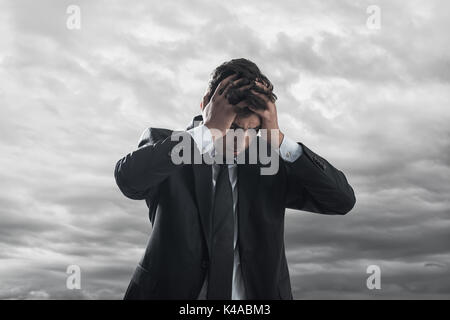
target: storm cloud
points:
(374, 102)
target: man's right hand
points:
(219, 114)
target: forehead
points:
(249, 121)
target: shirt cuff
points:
(203, 138)
(290, 150)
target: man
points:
(218, 228)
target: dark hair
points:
(245, 69)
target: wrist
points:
(276, 135)
(270, 124)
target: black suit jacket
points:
(179, 200)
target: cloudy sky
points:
(374, 102)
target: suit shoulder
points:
(153, 135)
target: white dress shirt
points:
(289, 151)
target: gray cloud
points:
(374, 103)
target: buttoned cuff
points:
(203, 138)
(290, 150)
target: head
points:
(245, 118)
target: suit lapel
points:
(203, 189)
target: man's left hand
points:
(268, 115)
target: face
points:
(249, 124)
(248, 127)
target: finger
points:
(246, 87)
(234, 83)
(257, 111)
(241, 106)
(265, 89)
(240, 87)
(262, 87)
(260, 95)
(263, 113)
(224, 83)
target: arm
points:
(140, 171)
(315, 185)
(145, 168)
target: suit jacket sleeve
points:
(315, 185)
(142, 170)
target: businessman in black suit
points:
(218, 229)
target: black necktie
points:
(221, 265)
